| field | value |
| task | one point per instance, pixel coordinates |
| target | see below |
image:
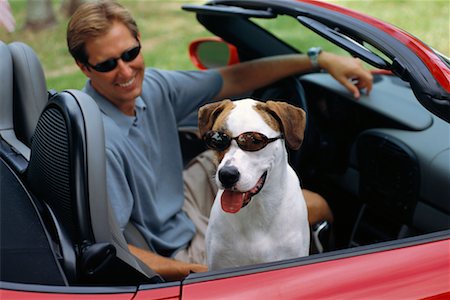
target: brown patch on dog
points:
(291, 120)
(261, 109)
(213, 116)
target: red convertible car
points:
(382, 162)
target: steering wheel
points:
(290, 90)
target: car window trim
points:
(223, 10)
(344, 41)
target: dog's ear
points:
(208, 114)
(292, 120)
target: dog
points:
(259, 213)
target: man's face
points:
(123, 84)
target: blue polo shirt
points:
(144, 161)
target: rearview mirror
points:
(208, 53)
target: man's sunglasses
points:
(110, 64)
(247, 141)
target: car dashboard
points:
(383, 161)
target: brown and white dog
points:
(259, 214)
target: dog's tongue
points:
(232, 201)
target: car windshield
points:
(303, 38)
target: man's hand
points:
(348, 71)
(168, 268)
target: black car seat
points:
(23, 96)
(13, 150)
(24, 250)
(6, 95)
(30, 90)
(67, 172)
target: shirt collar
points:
(123, 121)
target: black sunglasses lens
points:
(131, 54)
(252, 141)
(111, 64)
(106, 66)
(218, 141)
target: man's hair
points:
(92, 20)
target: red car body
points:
(382, 275)
(413, 268)
(379, 275)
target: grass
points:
(167, 30)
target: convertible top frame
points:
(413, 61)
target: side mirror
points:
(208, 53)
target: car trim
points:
(230, 10)
(37, 288)
(344, 42)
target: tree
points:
(40, 15)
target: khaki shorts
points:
(199, 191)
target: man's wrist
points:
(313, 54)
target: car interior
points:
(381, 163)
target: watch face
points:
(313, 54)
(314, 51)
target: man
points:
(141, 109)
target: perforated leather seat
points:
(67, 171)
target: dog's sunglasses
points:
(110, 64)
(247, 141)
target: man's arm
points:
(168, 268)
(251, 75)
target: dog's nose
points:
(228, 176)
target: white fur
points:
(274, 225)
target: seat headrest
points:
(18, 153)
(30, 90)
(6, 80)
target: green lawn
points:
(166, 31)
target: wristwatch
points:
(313, 54)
